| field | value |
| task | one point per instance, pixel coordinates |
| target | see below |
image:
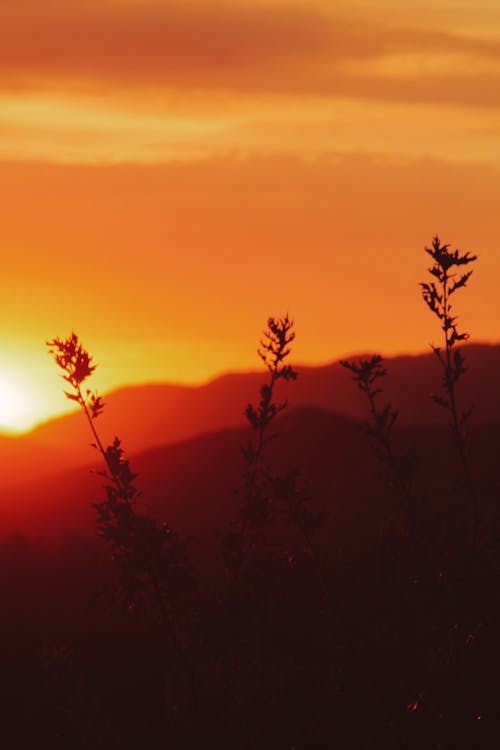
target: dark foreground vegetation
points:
(346, 594)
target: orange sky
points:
(173, 172)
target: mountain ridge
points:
(193, 484)
(145, 416)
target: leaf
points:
(72, 396)
(466, 415)
(462, 281)
(440, 401)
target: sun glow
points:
(17, 404)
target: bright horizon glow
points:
(25, 404)
(18, 404)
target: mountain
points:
(153, 415)
(192, 484)
(23, 458)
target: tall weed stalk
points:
(448, 278)
(266, 493)
(151, 558)
(399, 466)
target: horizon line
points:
(15, 434)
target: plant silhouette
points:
(257, 507)
(449, 278)
(399, 466)
(268, 494)
(151, 558)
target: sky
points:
(172, 173)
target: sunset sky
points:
(174, 172)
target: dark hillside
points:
(156, 415)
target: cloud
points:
(239, 48)
(90, 130)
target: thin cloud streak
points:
(74, 130)
(238, 48)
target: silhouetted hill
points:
(152, 415)
(191, 484)
(192, 481)
(24, 457)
